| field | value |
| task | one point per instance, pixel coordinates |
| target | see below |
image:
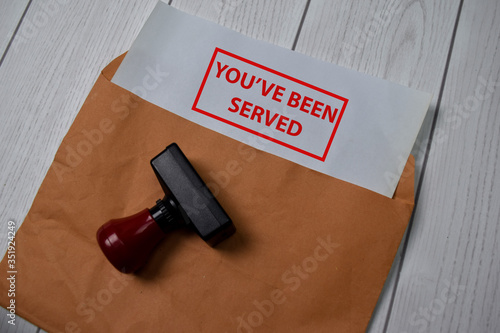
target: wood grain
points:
(406, 42)
(456, 230)
(10, 15)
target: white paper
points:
(340, 122)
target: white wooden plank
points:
(405, 42)
(10, 15)
(456, 233)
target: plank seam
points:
(15, 32)
(300, 25)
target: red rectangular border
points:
(195, 104)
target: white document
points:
(337, 121)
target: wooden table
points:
(446, 276)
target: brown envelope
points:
(311, 252)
